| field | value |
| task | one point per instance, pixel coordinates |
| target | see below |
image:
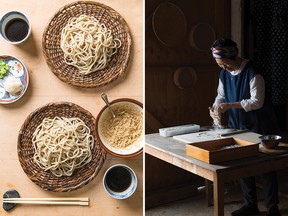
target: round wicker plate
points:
(55, 57)
(46, 179)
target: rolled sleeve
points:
(257, 92)
(220, 98)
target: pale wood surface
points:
(45, 87)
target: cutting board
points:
(282, 148)
(249, 136)
(197, 137)
(212, 135)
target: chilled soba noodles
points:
(88, 44)
(62, 145)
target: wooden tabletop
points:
(45, 87)
(175, 151)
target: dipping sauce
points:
(16, 29)
(118, 179)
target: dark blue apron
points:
(237, 88)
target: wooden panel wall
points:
(165, 103)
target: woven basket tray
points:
(55, 57)
(46, 179)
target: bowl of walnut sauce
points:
(121, 135)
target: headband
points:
(224, 52)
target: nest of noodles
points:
(55, 56)
(46, 179)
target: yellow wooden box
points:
(220, 150)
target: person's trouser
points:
(270, 187)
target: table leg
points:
(218, 186)
(208, 192)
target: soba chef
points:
(241, 93)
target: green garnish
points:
(4, 68)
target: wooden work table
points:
(173, 152)
(45, 87)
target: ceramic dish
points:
(120, 181)
(18, 70)
(132, 149)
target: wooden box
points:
(225, 149)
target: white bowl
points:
(120, 181)
(10, 16)
(130, 149)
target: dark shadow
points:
(29, 47)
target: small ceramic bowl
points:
(115, 135)
(120, 181)
(270, 141)
(15, 27)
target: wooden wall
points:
(168, 105)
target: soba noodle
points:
(62, 145)
(88, 44)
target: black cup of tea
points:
(15, 27)
(120, 181)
